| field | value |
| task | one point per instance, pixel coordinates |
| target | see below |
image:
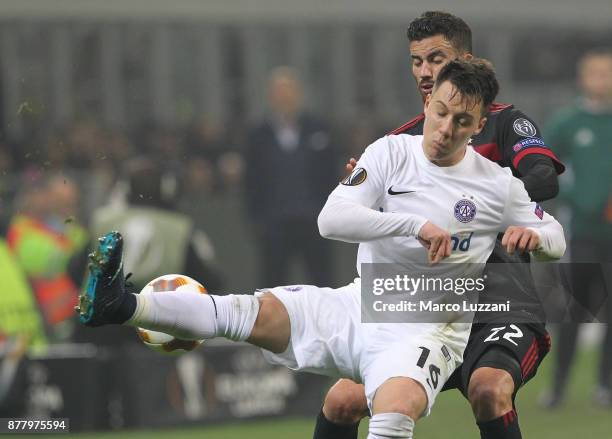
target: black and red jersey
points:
(507, 137)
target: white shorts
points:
(328, 338)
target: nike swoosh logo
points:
(392, 192)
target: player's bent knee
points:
(490, 392)
(272, 328)
(391, 425)
(345, 403)
(401, 395)
(486, 393)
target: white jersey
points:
(395, 189)
(474, 200)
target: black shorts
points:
(526, 344)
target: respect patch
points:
(528, 143)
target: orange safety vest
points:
(43, 254)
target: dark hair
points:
(596, 52)
(474, 79)
(432, 23)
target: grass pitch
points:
(451, 416)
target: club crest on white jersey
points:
(357, 177)
(465, 210)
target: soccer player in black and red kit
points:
(504, 350)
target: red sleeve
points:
(560, 167)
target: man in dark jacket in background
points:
(291, 168)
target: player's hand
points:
(351, 165)
(437, 242)
(521, 239)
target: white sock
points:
(390, 425)
(194, 316)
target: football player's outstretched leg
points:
(262, 321)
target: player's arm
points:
(350, 221)
(529, 228)
(351, 215)
(522, 145)
(539, 176)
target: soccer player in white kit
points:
(407, 198)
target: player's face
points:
(450, 120)
(428, 56)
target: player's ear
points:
(467, 56)
(481, 124)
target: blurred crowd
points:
(204, 152)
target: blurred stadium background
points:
(86, 85)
